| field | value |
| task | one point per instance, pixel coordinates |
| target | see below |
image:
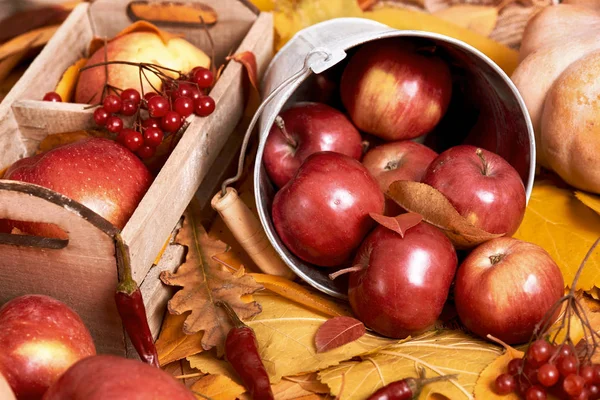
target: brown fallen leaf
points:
(399, 224)
(566, 229)
(66, 86)
(27, 20)
(480, 19)
(171, 12)
(286, 288)
(29, 40)
(248, 60)
(173, 344)
(589, 199)
(204, 282)
(217, 387)
(439, 352)
(285, 334)
(435, 208)
(337, 332)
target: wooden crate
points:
(82, 271)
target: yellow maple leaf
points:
(440, 353)
(566, 229)
(285, 333)
(589, 199)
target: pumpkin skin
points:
(546, 56)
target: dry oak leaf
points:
(285, 333)
(337, 332)
(436, 209)
(204, 282)
(440, 353)
(566, 229)
(484, 388)
(173, 344)
(589, 199)
(217, 387)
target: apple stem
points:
(126, 283)
(365, 144)
(281, 125)
(357, 267)
(484, 169)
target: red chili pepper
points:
(132, 311)
(241, 350)
(406, 389)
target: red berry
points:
(184, 106)
(548, 375)
(596, 373)
(594, 392)
(128, 108)
(114, 124)
(587, 373)
(515, 365)
(535, 393)
(530, 372)
(184, 90)
(584, 395)
(195, 93)
(158, 106)
(153, 137)
(151, 123)
(112, 103)
(505, 384)
(203, 77)
(204, 106)
(53, 97)
(146, 151)
(567, 365)
(573, 384)
(563, 351)
(149, 95)
(539, 352)
(131, 139)
(131, 94)
(171, 122)
(100, 116)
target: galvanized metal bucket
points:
(503, 123)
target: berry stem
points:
(281, 125)
(212, 46)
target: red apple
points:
(395, 161)
(322, 214)
(40, 338)
(98, 173)
(482, 186)
(404, 282)
(308, 128)
(141, 46)
(394, 91)
(505, 287)
(109, 377)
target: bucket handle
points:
(303, 71)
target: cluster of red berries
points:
(166, 111)
(548, 369)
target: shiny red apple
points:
(106, 377)
(395, 90)
(307, 128)
(505, 287)
(322, 214)
(40, 338)
(482, 186)
(395, 161)
(98, 173)
(403, 282)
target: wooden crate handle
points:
(28, 202)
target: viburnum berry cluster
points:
(165, 110)
(553, 364)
